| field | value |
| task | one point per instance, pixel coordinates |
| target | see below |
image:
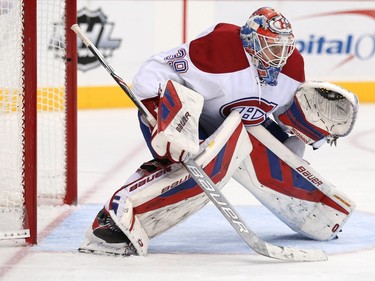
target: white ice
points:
(204, 247)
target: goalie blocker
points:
(176, 133)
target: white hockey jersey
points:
(216, 66)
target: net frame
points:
(30, 114)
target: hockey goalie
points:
(236, 101)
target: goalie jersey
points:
(216, 66)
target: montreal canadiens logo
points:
(280, 25)
(253, 110)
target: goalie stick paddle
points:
(211, 190)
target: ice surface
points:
(204, 247)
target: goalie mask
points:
(267, 36)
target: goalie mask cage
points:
(38, 139)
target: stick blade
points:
(292, 254)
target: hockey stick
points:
(207, 185)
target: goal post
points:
(71, 102)
(38, 111)
(28, 111)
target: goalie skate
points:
(105, 238)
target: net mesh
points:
(11, 117)
(51, 98)
(51, 103)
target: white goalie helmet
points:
(267, 36)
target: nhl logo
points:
(95, 25)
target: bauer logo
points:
(99, 30)
(347, 35)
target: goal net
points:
(37, 111)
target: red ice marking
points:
(357, 140)
(24, 251)
(18, 257)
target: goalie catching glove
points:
(321, 112)
(175, 135)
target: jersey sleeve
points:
(193, 64)
(154, 73)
